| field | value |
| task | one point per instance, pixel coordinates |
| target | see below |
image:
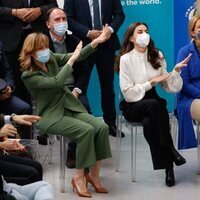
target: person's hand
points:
(20, 13)
(8, 130)
(25, 119)
(76, 54)
(93, 34)
(108, 33)
(75, 93)
(6, 93)
(159, 79)
(183, 63)
(32, 14)
(11, 145)
(102, 38)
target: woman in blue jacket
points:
(188, 99)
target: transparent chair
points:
(133, 127)
(63, 155)
(63, 151)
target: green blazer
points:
(49, 91)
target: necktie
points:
(97, 22)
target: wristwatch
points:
(11, 117)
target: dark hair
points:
(48, 13)
(127, 46)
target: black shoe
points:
(170, 179)
(177, 158)
(71, 161)
(42, 139)
(113, 131)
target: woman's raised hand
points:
(76, 54)
(183, 63)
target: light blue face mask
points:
(60, 28)
(43, 56)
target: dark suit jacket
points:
(81, 71)
(5, 70)
(2, 122)
(80, 21)
(11, 27)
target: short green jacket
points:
(48, 89)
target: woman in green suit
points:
(44, 75)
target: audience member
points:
(40, 190)
(16, 169)
(61, 112)
(61, 41)
(188, 99)
(142, 66)
(9, 103)
(86, 19)
(18, 19)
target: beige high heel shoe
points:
(80, 194)
(97, 189)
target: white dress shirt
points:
(136, 71)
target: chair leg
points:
(50, 147)
(63, 152)
(119, 131)
(133, 153)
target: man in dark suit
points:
(62, 41)
(18, 18)
(86, 21)
(9, 103)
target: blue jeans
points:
(40, 190)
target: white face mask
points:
(60, 28)
(143, 40)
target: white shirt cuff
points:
(111, 29)
(7, 119)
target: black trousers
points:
(104, 60)
(20, 170)
(153, 114)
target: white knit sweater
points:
(136, 71)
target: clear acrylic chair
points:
(63, 155)
(133, 127)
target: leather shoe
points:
(170, 179)
(113, 131)
(177, 158)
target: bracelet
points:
(16, 12)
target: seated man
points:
(9, 103)
(62, 41)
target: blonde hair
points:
(32, 43)
(192, 24)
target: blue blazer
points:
(189, 92)
(80, 21)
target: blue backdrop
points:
(159, 16)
